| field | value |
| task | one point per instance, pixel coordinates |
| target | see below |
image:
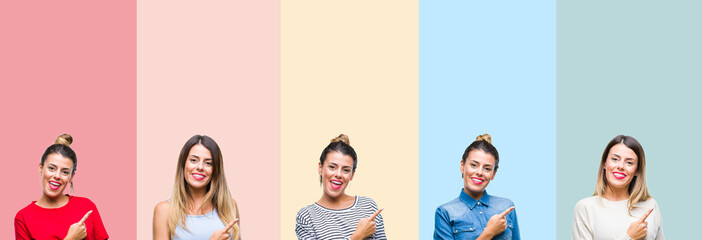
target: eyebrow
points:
(479, 162)
(54, 165)
(621, 157)
(344, 166)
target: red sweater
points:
(35, 222)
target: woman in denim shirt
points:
(475, 214)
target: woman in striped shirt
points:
(337, 215)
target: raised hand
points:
(365, 227)
(496, 225)
(77, 230)
(223, 234)
(639, 228)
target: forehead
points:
(481, 157)
(200, 151)
(623, 151)
(338, 158)
(58, 160)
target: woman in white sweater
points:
(620, 208)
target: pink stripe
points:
(70, 66)
(211, 68)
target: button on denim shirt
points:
(466, 218)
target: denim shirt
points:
(465, 218)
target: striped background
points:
(411, 82)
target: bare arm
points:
(161, 221)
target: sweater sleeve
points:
(303, 226)
(21, 231)
(659, 231)
(98, 227)
(581, 224)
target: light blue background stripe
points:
(489, 67)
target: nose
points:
(337, 173)
(620, 165)
(480, 172)
(200, 165)
(57, 175)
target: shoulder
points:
(501, 202)
(162, 207)
(303, 215)
(584, 204)
(362, 200)
(83, 202)
(24, 211)
(456, 202)
(649, 203)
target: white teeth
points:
(619, 175)
(336, 182)
(477, 180)
(55, 184)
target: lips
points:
(198, 176)
(618, 175)
(335, 184)
(54, 185)
(477, 181)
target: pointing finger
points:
(226, 229)
(643, 218)
(503, 214)
(375, 214)
(85, 217)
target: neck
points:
(340, 202)
(474, 195)
(197, 201)
(48, 202)
(616, 194)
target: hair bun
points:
(64, 139)
(342, 138)
(484, 137)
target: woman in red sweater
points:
(55, 215)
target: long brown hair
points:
(638, 191)
(217, 190)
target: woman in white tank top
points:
(201, 206)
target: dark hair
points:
(339, 144)
(211, 145)
(62, 147)
(483, 143)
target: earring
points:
(72, 188)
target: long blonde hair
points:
(638, 192)
(217, 190)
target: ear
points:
(40, 167)
(463, 163)
(352, 173)
(320, 169)
(493, 174)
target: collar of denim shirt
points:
(471, 202)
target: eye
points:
(332, 167)
(630, 163)
(488, 169)
(347, 170)
(208, 163)
(66, 173)
(51, 169)
(615, 159)
(473, 165)
(192, 160)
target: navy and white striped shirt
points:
(317, 222)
